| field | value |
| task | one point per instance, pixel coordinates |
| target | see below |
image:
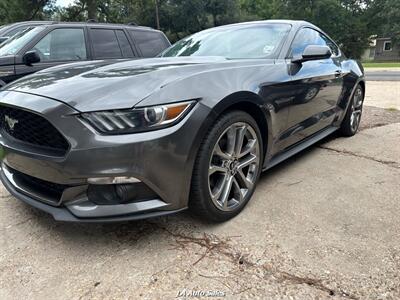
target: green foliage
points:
(349, 22)
(22, 10)
(221, 11)
(259, 9)
(343, 20)
(387, 18)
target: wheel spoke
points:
(218, 193)
(242, 180)
(358, 100)
(240, 132)
(239, 191)
(213, 169)
(251, 145)
(247, 161)
(218, 151)
(226, 190)
(231, 140)
(355, 119)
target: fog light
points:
(113, 180)
(110, 194)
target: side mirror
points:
(313, 52)
(31, 57)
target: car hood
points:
(103, 85)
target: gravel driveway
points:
(324, 224)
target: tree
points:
(23, 10)
(386, 18)
(81, 10)
(343, 20)
(259, 9)
(221, 11)
(349, 22)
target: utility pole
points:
(157, 15)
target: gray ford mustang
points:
(112, 141)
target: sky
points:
(64, 3)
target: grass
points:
(381, 64)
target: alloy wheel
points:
(356, 109)
(234, 166)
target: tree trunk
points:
(91, 9)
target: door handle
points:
(338, 73)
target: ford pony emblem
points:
(10, 122)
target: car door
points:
(58, 46)
(109, 43)
(316, 85)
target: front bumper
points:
(162, 160)
(63, 214)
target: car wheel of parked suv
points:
(352, 119)
(227, 167)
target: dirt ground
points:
(323, 225)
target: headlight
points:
(138, 119)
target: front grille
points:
(32, 129)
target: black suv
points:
(48, 45)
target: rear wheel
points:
(227, 167)
(352, 119)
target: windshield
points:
(235, 42)
(14, 44)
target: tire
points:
(220, 165)
(352, 119)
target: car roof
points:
(16, 24)
(293, 23)
(101, 25)
(11, 26)
(89, 23)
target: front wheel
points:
(352, 119)
(227, 167)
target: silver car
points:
(112, 141)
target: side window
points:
(150, 43)
(105, 44)
(62, 44)
(330, 44)
(306, 37)
(124, 44)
